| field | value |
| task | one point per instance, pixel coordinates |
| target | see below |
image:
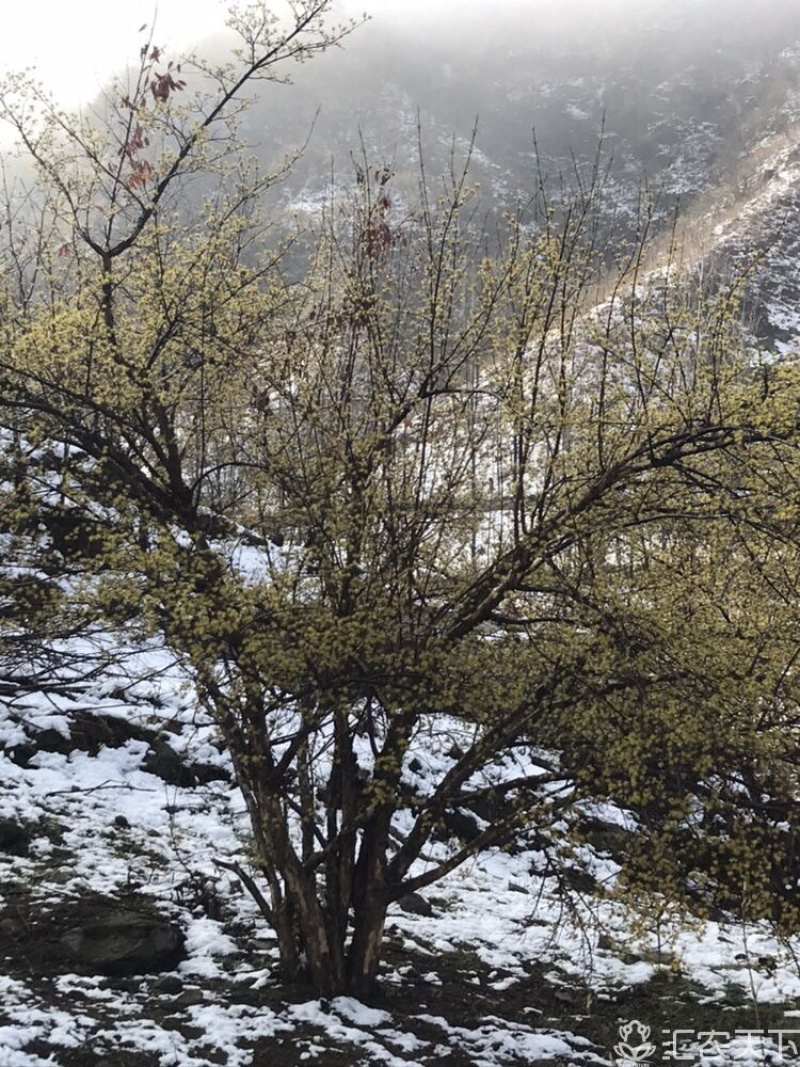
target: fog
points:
(619, 18)
(683, 89)
(681, 85)
(77, 46)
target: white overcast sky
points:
(77, 44)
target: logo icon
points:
(635, 1048)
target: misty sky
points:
(76, 46)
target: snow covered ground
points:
(503, 967)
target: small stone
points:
(14, 838)
(61, 877)
(14, 889)
(205, 773)
(569, 996)
(170, 983)
(12, 928)
(189, 998)
(462, 825)
(121, 822)
(415, 766)
(515, 887)
(164, 762)
(21, 754)
(121, 985)
(414, 904)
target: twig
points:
(108, 784)
(251, 887)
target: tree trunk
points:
(287, 940)
(303, 923)
(365, 949)
(370, 904)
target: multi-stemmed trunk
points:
(337, 961)
(331, 937)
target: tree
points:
(419, 484)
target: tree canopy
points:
(427, 478)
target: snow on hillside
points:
(119, 800)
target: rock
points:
(515, 887)
(454, 752)
(13, 888)
(189, 998)
(90, 732)
(260, 944)
(164, 762)
(52, 741)
(461, 824)
(491, 806)
(11, 927)
(14, 837)
(607, 837)
(61, 877)
(121, 822)
(22, 754)
(125, 943)
(572, 997)
(122, 1059)
(414, 904)
(415, 766)
(209, 772)
(122, 985)
(170, 983)
(579, 879)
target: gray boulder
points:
(414, 904)
(14, 837)
(124, 943)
